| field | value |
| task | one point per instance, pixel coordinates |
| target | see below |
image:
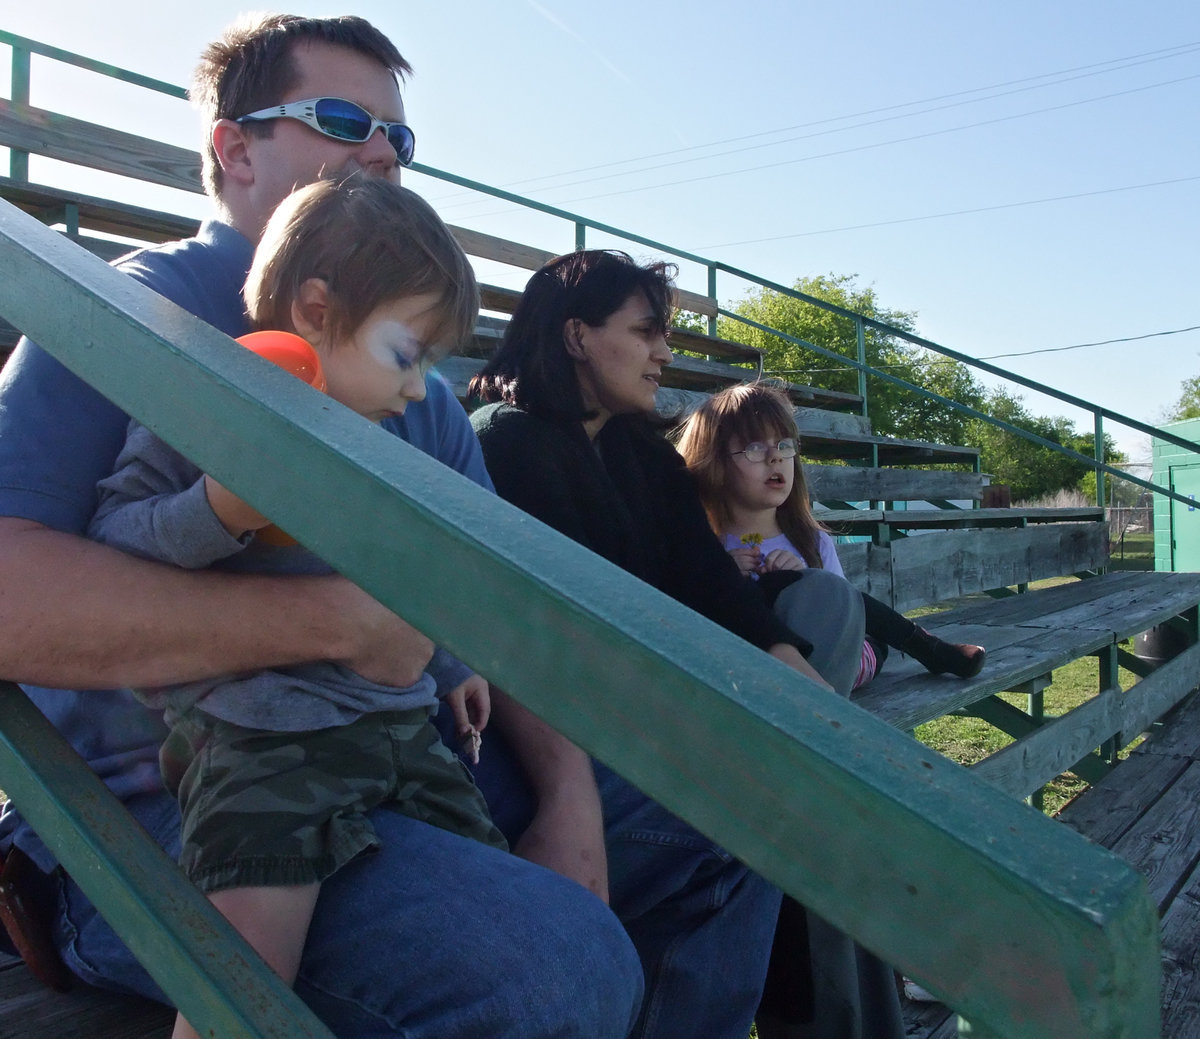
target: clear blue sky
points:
(1025, 176)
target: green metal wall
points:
(1177, 525)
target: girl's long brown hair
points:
(746, 413)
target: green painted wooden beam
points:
(185, 944)
(1013, 920)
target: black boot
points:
(939, 657)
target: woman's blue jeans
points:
(701, 921)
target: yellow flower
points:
(752, 539)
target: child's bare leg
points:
(274, 920)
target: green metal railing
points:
(922, 862)
(1017, 922)
(22, 48)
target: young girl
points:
(741, 446)
(276, 771)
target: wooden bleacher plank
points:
(891, 450)
(713, 346)
(1051, 749)
(1181, 963)
(501, 250)
(98, 214)
(1025, 636)
(1133, 606)
(851, 520)
(929, 1020)
(515, 255)
(869, 571)
(503, 300)
(687, 374)
(906, 696)
(673, 402)
(31, 1011)
(1164, 844)
(1108, 809)
(1146, 811)
(1180, 733)
(81, 143)
(862, 483)
(948, 565)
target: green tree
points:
(894, 410)
(1031, 470)
(1188, 404)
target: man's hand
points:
(382, 647)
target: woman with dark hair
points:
(569, 435)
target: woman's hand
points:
(567, 836)
(748, 558)
(791, 656)
(781, 559)
(567, 831)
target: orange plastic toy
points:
(293, 354)
(290, 352)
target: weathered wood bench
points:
(1147, 811)
(48, 134)
(1027, 637)
(29, 1010)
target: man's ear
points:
(233, 156)
(310, 311)
(573, 339)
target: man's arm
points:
(567, 830)
(72, 609)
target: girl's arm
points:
(829, 556)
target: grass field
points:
(967, 740)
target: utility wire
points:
(1129, 61)
(949, 213)
(858, 148)
(1102, 342)
(931, 362)
(881, 144)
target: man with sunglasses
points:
(286, 100)
(434, 935)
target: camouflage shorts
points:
(275, 809)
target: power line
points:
(860, 148)
(953, 212)
(931, 362)
(881, 144)
(1102, 342)
(1085, 71)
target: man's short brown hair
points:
(252, 65)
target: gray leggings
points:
(827, 610)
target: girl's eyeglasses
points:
(758, 452)
(343, 121)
